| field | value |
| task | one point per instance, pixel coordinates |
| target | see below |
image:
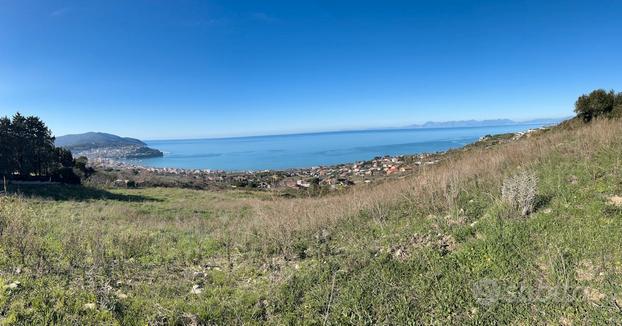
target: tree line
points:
(27, 151)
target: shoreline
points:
(125, 174)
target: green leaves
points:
(27, 148)
(598, 103)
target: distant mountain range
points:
(483, 123)
(99, 144)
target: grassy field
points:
(440, 247)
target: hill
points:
(443, 245)
(91, 140)
(103, 145)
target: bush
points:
(66, 175)
(520, 191)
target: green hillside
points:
(439, 247)
(92, 140)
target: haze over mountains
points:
(483, 123)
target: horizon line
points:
(371, 129)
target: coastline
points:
(126, 174)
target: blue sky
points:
(203, 68)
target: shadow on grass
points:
(74, 192)
(542, 201)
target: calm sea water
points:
(307, 150)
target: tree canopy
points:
(599, 103)
(27, 148)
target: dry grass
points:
(432, 190)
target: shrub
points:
(130, 184)
(520, 190)
(66, 175)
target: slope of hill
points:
(442, 246)
(106, 145)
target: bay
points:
(279, 152)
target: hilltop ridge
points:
(92, 140)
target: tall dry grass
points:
(432, 189)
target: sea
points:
(279, 152)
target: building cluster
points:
(119, 152)
(331, 177)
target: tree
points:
(617, 106)
(42, 147)
(6, 144)
(27, 148)
(81, 162)
(597, 103)
(19, 136)
(64, 157)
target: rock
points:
(616, 201)
(14, 285)
(196, 289)
(565, 321)
(89, 306)
(585, 271)
(473, 311)
(547, 211)
(451, 220)
(121, 295)
(400, 254)
(593, 295)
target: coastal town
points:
(120, 152)
(119, 173)
(331, 177)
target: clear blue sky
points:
(204, 68)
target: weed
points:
(520, 191)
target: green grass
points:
(133, 256)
